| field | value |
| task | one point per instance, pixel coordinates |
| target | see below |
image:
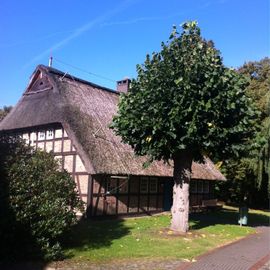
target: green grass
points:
(149, 237)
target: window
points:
(111, 186)
(153, 185)
(200, 187)
(193, 186)
(144, 185)
(50, 134)
(117, 184)
(41, 135)
(205, 186)
(134, 186)
(123, 185)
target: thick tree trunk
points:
(181, 174)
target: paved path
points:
(251, 253)
(142, 264)
(130, 265)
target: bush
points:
(38, 202)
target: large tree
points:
(258, 75)
(183, 104)
(249, 176)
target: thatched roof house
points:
(55, 101)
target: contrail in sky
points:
(79, 31)
(143, 19)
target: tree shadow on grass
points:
(18, 247)
(225, 216)
(17, 244)
(94, 234)
(23, 265)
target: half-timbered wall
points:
(55, 139)
(200, 190)
(116, 195)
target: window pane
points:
(123, 186)
(206, 187)
(200, 186)
(153, 185)
(134, 185)
(111, 186)
(49, 134)
(144, 185)
(41, 135)
(193, 186)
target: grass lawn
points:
(149, 237)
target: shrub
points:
(39, 202)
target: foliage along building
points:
(70, 117)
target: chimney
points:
(123, 85)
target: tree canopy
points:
(4, 111)
(258, 74)
(185, 98)
(185, 104)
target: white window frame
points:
(144, 186)
(41, 135)
(49, 134)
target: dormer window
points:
(41, 135)
(49, 134)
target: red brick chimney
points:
(123, 85)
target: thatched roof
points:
(86, 110)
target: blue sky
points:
(109, 38)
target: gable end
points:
(39, 82)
